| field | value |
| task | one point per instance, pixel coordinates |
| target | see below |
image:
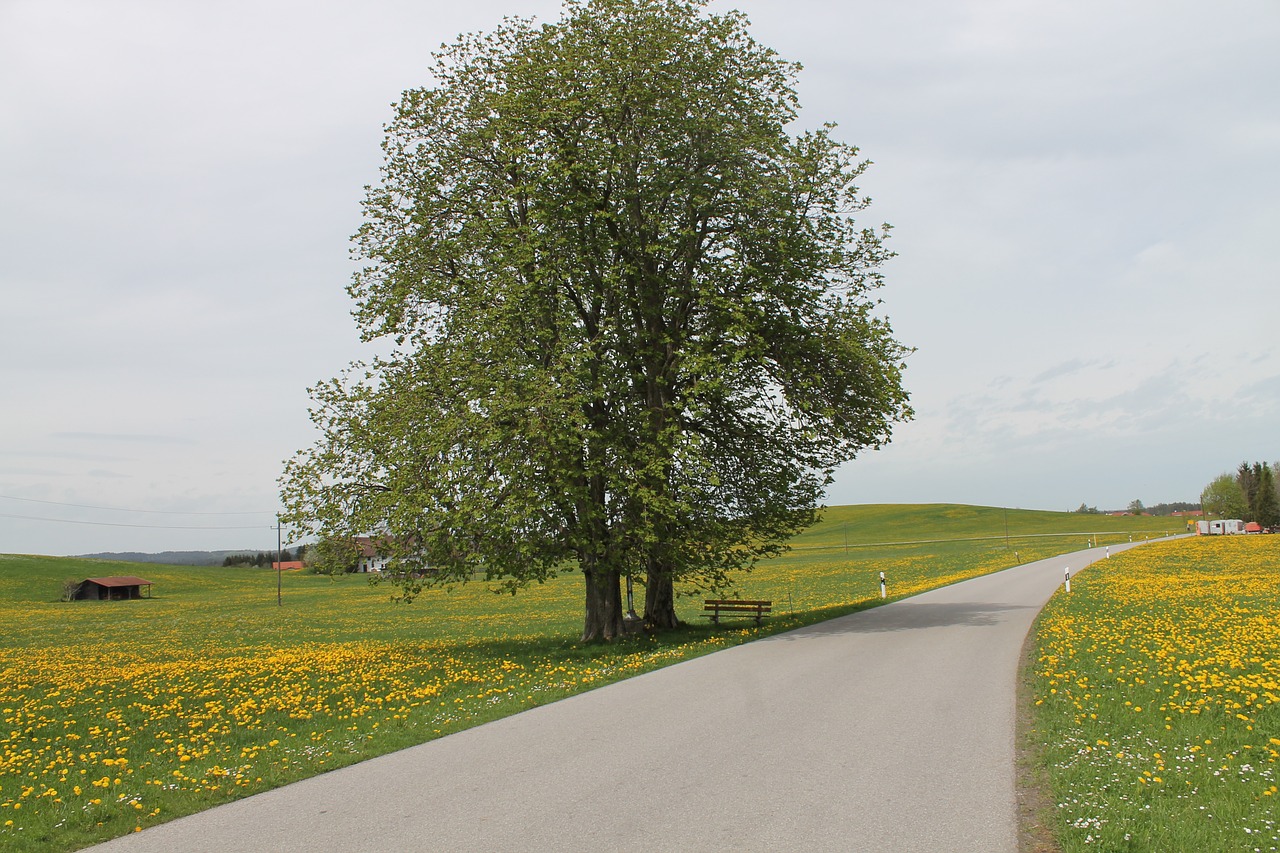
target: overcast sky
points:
(1085, 199)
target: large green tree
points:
(634, 315)
(1224, 498)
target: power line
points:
(119, 509)
(145, 526)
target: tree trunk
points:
(604, 605)
(659, 597)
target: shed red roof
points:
(120, 581)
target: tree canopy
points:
(634, 315)
(1224, 498)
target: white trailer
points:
(1220, 527)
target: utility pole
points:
(279, 563)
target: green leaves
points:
(633, 311)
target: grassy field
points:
(119, 715)
(1157, 685)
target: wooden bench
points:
(733, 607)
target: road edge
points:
(1031, 779)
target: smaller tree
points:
(1136, 507)
(1224, 498)
(332, 555)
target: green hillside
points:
(865, 524)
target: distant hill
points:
(863, 524)
(851, 525)
(170, 558)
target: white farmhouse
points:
(369, 556)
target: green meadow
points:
(1156, 691)
(120, 715)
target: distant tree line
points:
(1136, 507)
(1249, 494)
(1171, 508)
(329, 556)
(267, 558)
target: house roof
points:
(127, 580)
(372, 546)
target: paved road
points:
(887, 731)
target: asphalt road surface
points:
(886, 731)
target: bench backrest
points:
(732, 606)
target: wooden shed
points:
(112, 589)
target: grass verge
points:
(1157, 699)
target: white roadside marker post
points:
(1108, 552)
(1067, 583)
(882, 591)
